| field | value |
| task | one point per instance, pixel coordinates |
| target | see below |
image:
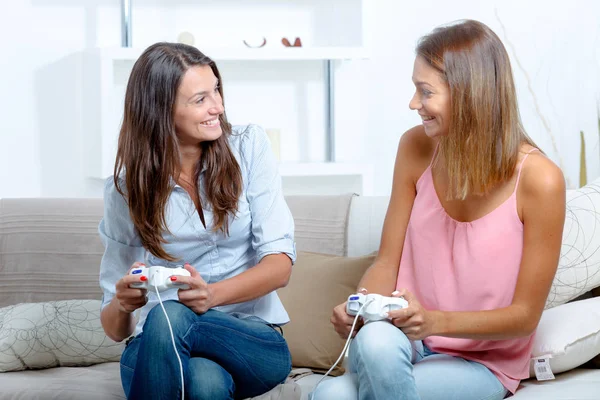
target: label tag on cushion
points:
(543, 372)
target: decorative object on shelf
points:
(297, 42)
(274, 138)
(186, 38)
(255, 42)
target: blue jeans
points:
(384, 364)
(223, 357)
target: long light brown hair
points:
(148, 159)
(485, 133)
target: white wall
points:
(554, 46)
(555, 52)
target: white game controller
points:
(158, 276)
(377, 306)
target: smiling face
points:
(431, 99)
(198, 106)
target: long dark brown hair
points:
(485, 133)
(148, 160)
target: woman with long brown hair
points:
(191, 190)
(471, 237)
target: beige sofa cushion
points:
(49, 250)
(321, 223)
(319, 283)
(97, 382)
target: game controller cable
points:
(345, 345)
(162, 278)
(172, 341)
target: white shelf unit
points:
(248, 54)
(326, 178)
(106, 70)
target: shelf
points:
(323, 178)
(107, 70)
(287, 169)
(233, 54)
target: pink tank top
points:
(467, 266)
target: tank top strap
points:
(521, 166)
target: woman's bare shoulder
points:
(541, 177)
(416, 148)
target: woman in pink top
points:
(471, 238)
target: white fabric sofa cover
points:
(57, 238)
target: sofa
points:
(52, 345)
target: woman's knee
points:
(343, 387)
(379, 341)
(207, 380)
(178, 315)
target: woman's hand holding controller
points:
(415, 321)
(199, 296)
(342, 322)
(130, 299)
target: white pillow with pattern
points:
(579, 266)
(54, 334)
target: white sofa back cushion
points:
(365, 224)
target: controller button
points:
(143, 278)
(136, 271)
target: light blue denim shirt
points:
(262, 226)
